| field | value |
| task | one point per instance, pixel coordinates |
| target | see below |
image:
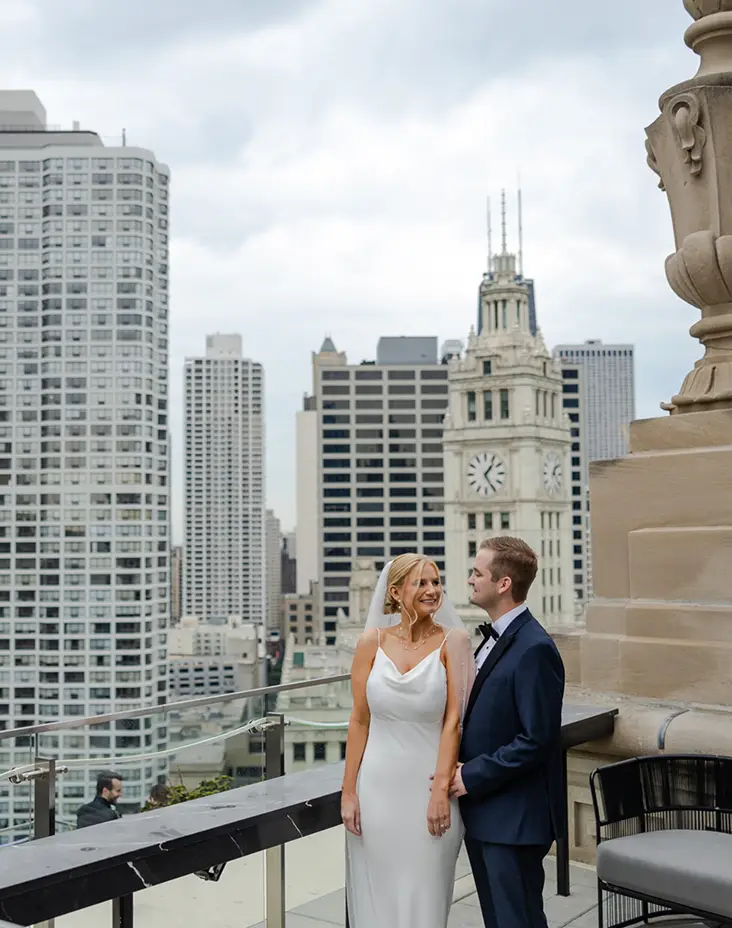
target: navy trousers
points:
(510, 883)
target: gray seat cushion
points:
(685, 868)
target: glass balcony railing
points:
(180, 745)
(273, 848)
(192, 747)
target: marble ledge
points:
(144, 850)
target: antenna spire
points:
(520, 231)
(503, 222)
(490, 234)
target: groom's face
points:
(486, 592)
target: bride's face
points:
(422, 592)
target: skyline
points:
(330, 176)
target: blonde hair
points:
(401, 570)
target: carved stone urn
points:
(690, 147)
(699, 8)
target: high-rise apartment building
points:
(609, 395)
(84, 494)
(573, 404)
(307, 536)
(379, 477)
(274, 571)
(225, 535)
(288, 563)
(599, 397)
(176, 583)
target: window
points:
(298, 752)
(505, 408)
(487, 368)
(505, 520)
(488, 521)
(471, 406)
(319, 750)
(472, 549)
(343, 750)
(471, 521)
(488, 405)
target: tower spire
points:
(503, 222)
(490, 234)
(520, 232)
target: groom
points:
(510, 775)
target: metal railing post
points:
(274, 857)
(44, 807)
(563, 874)
(123, 912)
(44, 799)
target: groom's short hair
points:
(513, 558)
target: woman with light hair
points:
(411, 677)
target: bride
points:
(411, 675)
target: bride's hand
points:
(438, 814)
(351, 813)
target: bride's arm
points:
(438, 813)
(358, 728)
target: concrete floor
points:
(314, 890)
(578, 910)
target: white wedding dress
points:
(398, 875)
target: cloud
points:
(331, 161)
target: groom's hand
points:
(457, 788)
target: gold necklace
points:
(415, 647)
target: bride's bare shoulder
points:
(368, 640)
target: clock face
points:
(486, 474)
(552, 473)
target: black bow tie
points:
(488, 631)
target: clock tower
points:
(507, 446)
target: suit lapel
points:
(496, 653)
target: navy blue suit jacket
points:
(511, 744)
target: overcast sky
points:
(331, 160)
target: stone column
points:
(658, 640)
(660, 625)
(690, 147)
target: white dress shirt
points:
(500, 626)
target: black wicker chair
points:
(669, 794)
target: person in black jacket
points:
(103, 808)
